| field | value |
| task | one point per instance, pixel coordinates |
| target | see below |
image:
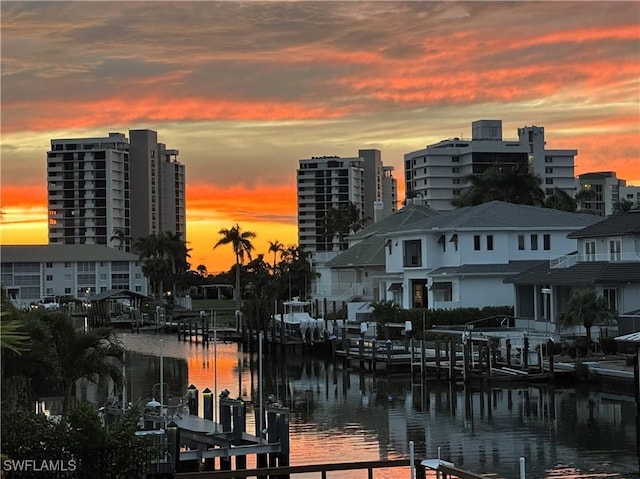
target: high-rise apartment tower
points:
(101, 186)
(437, 173)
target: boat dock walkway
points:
(477, 358)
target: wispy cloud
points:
(246, 89)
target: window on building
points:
(611, 297)
(476, 242)
(49, 265)
(442, 291)
(67, 264)
(548, 159)
(530, 136)
(615, 250)
(67, 290)
(138, 288)
(455, 159)
(442, 241)
(455, 169)
(456, 192)
(412, 253)
(49, 277)
(489, 242)
(548, 181)
(534, 242)
(521, 242)
(454, 240)
(546, 242)
(455, 181)
(590, 250)
(548, 169)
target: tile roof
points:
(369, 251)
(581, 274)
(511, 267)
(407, 215)
(617, 224)
(499, 214)
(63, 252)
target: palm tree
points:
(585, 308)
(584, 197)
(202, 269)
(342, 221)
(512, 184)
(119, 236)
(92, 354)
(622, 205)
(13, 336)
(164, 257)
(241, 243)
(560, 200)
(275, 247)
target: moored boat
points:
(297, 321)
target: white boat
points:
(298, 321)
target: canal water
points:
(342, 415)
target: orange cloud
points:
(87, 114)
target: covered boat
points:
(298, 322)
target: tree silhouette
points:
(275, 247)
(202, 269)
(585, 308)
(241, 244)
(164, 257)
(584, 197)
(342, 221)
(512, 184)
(622, 205)
(119, 236)
(560, 200)
(92, 354)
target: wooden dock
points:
(451, 360)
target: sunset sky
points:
(245, 90)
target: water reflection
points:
(341, 415)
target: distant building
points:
(30, 272)
(157, 187)
(329, 182)
(97, 186)
(437, 173)
(601, 191)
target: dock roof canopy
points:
(118, 294)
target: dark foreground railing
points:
(286, 471)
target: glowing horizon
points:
(245, 90)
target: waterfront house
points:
(30, 272)
(460, 258)
(606, 258)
